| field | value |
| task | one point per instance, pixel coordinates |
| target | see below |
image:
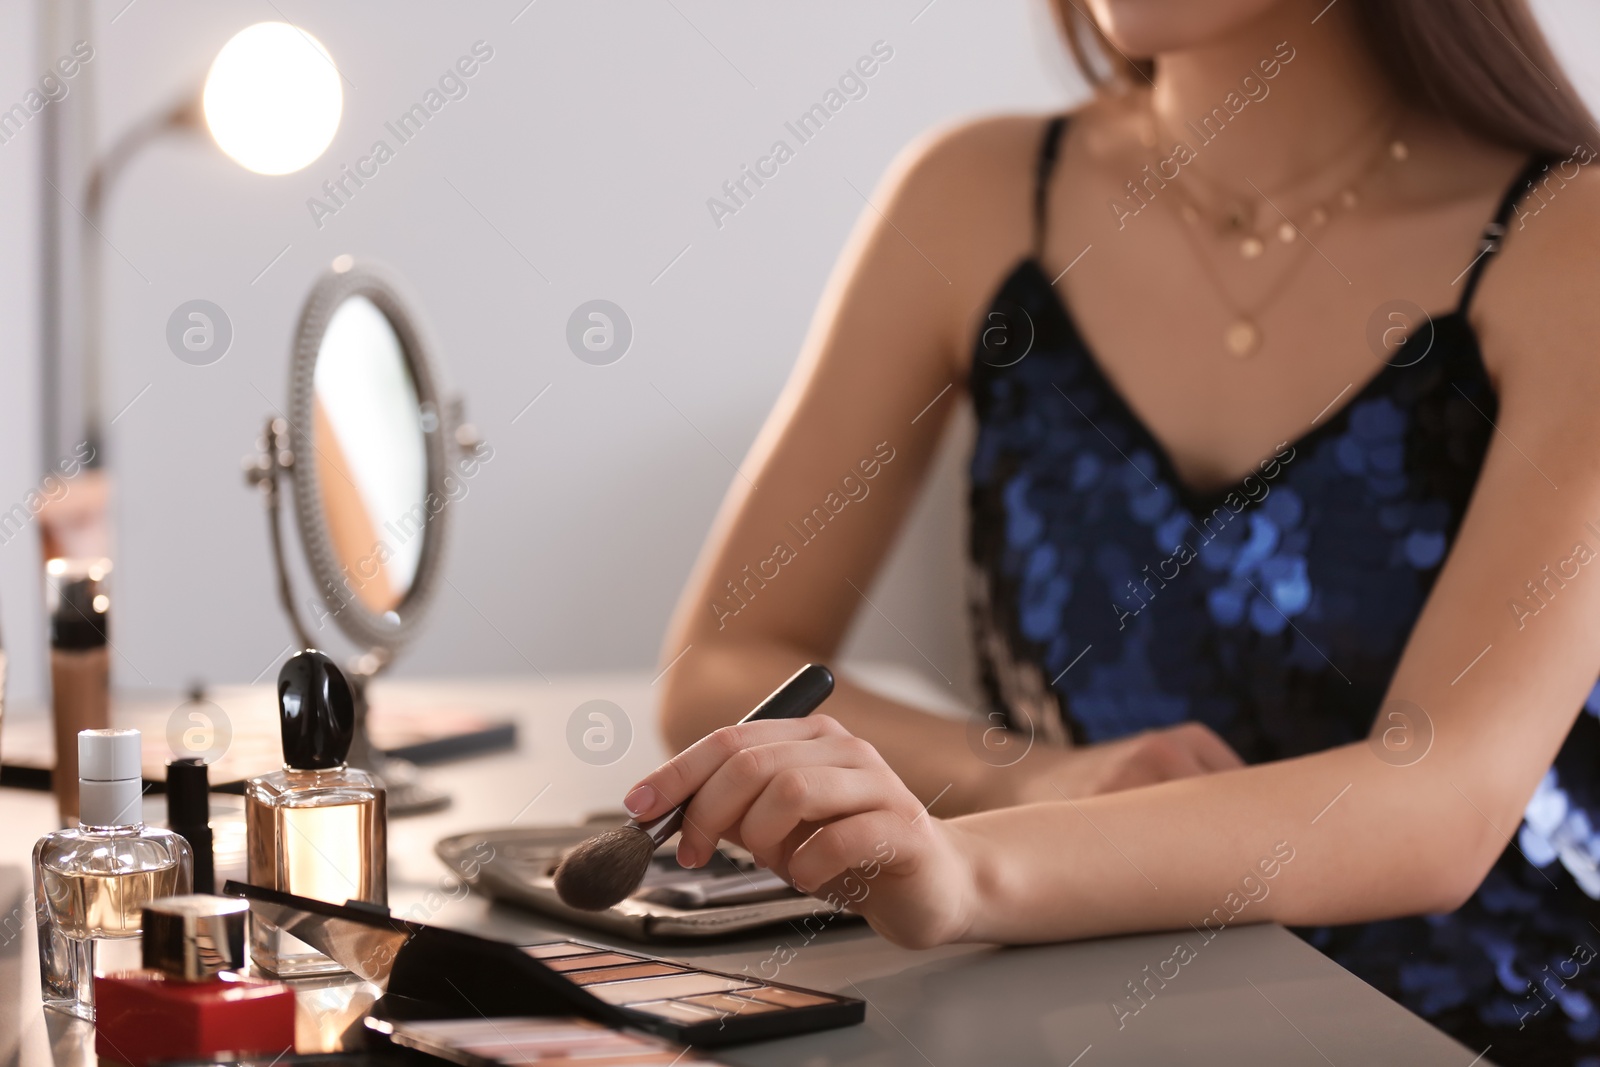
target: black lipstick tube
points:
(189, 816)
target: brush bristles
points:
(603, 870)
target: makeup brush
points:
(606, 868)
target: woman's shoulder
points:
(981, 166)
(1002, 150)
(975, 145)
(1537, 313)
(1555, 221)
(968, 186)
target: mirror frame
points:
(379, 633)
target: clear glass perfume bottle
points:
(91, 883)
(316, 828)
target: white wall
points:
(19, 465)
(589, 144)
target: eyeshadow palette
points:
(548, 1042)
(455, 973)
(695, 1005)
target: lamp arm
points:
(184, 115)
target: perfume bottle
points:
(91, 883)
(187, 1003)
(315, 828)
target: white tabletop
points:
(1254, 995)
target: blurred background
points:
(575, 164)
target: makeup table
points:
(1252, 994)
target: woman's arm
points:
(841, 460)
(1340, 836)
(1499, 674)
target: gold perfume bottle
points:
(91, 883)
(315, 828)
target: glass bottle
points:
(91, 883)
(316, 828)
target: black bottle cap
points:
(317, 710)
(78, 609)
(188, 793)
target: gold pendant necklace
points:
(1243, 337)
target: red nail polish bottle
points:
(187, 1003)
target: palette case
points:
(545, 1041)
(431, 972)
(514, 866)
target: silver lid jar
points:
(194, 937)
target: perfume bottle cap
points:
(317, 710)
(108, 755)
(194, 937)
(109, 785)
(75, 597)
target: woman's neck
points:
(1326, 92)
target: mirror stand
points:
(406, 793)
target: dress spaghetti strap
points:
(1049, 149)
(1495, 231)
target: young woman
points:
(1284, 502)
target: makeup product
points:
(189, 815)
(426, 968)
(91, 883)
(188, 1002)
(728, 895)
(606, 868)
(549, 1042)
(316, 828)
(720, 883)
(80, 665)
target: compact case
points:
(425, 969)
(728, 896)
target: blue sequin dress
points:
(1108, 598)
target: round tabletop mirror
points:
(366, 444)
(372, 456)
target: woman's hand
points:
(820, 807)
(1051, 773)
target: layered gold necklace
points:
(1235, 223)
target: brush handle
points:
(796, 698)
(802, 694)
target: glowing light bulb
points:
(272, 98)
